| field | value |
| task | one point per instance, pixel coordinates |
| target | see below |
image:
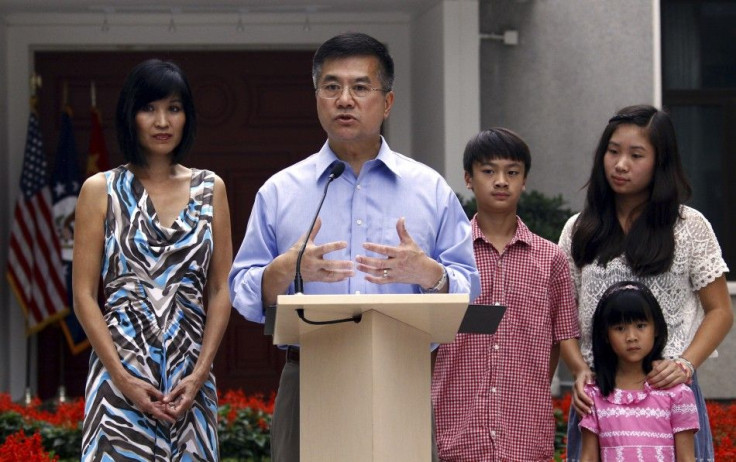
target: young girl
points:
(630, 419)
(634, 226)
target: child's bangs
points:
(626, 307)
(504, 153)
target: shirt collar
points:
(522, 234)
(619, 396)
(388, 157)
(326, 157)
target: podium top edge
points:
(376, 299)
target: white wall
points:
(5, 210)
(446, 103)
(462, 85)
(577, 62)
(428, 102)
(716, 375)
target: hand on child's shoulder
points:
(679, 389)
(591, 389)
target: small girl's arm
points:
(685, 446)
(590, 450)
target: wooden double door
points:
(256, 115)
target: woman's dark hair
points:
(649, 246)
(624, 302)
(149, 81)
(496, 143)
(355, 44)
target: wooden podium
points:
(365, 387)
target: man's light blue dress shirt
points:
(357, 210)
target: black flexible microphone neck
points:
(335, 172)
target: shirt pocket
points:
(529, 306)
(383, 231)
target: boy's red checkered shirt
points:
(491, 393)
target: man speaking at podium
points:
(388, 225)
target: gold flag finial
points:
(35, 84)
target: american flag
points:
(97, 161)
(35, 270)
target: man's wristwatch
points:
(440, 284)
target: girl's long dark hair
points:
(649, 246)
(624, 302)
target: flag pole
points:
(61, 394)
(28, 395)
(35, 84)
(62, 371)
(34, 265)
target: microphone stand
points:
(336, 171)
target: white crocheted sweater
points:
(698, 262)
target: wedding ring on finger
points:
(385, 273)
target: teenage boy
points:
(491, 393)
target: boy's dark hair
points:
(496, 143)
(624, 302)
(150, 81)
(355, 44)
(649, 246)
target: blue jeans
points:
(703, 437)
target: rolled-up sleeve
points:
(455, 250)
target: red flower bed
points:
(19, 447)
(56, 429)
(243, 425)
(237, 400)
(65, 415)
(723, 426)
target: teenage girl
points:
(634, 226)
(630, 419)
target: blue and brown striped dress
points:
(154, 278)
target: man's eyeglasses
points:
(334, 90)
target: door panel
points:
(256, 115)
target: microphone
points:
(335, 172)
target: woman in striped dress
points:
(157, 231)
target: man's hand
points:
(405, 263)
(314, 267)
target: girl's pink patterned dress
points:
(640, 425)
